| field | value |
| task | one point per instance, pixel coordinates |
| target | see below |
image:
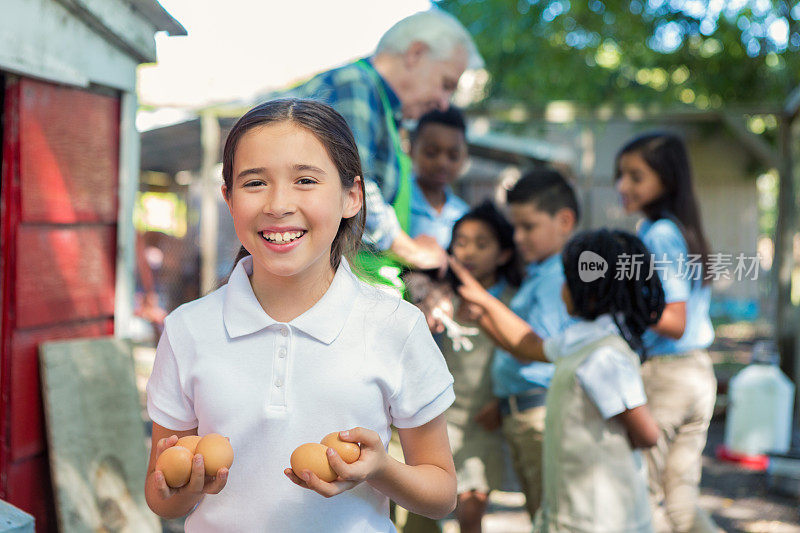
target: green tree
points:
(702, 53)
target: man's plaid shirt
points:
(353, 93)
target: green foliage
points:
(702, 53)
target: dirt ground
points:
(739, 499)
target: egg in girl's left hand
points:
(348, 451)
(312, 456)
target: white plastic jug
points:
(760, 405)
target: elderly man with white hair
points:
(415, 69)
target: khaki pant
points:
(524, 431)
(681, 391)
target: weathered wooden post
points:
(209, 217)
(786, 315)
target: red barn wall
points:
(59, 200)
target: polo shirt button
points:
(278, 383)
(284, 332)
(282, 353)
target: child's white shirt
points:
(593, 479)
(610, 379)
(358, 357)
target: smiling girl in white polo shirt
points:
(294, 346)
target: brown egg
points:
(217, 452)
(348, 451)
(189, 442)
(176, 464)
(312, 456)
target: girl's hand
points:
(439, 298)
(429, 255)
(199, 482)
(372, 461)
(469, 312)
(470, 289)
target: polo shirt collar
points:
(420, 202)
(587, 331)
(243, 314)
(326, 318)
(546, 266)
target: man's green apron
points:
(379, 268)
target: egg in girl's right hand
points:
(176, 464)
(312, 456)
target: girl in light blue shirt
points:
(653, 177)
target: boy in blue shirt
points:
(544, 212)
(438, 152)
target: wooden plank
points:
(97, 453)
(64, 275)
(26, 435)
(69, 140)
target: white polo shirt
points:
(358, 357)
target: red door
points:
(58, 195)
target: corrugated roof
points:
(177, 147)
(153, 11)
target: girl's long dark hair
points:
(633, 301)
(503, 231)
(330, 128)
(666, 154)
